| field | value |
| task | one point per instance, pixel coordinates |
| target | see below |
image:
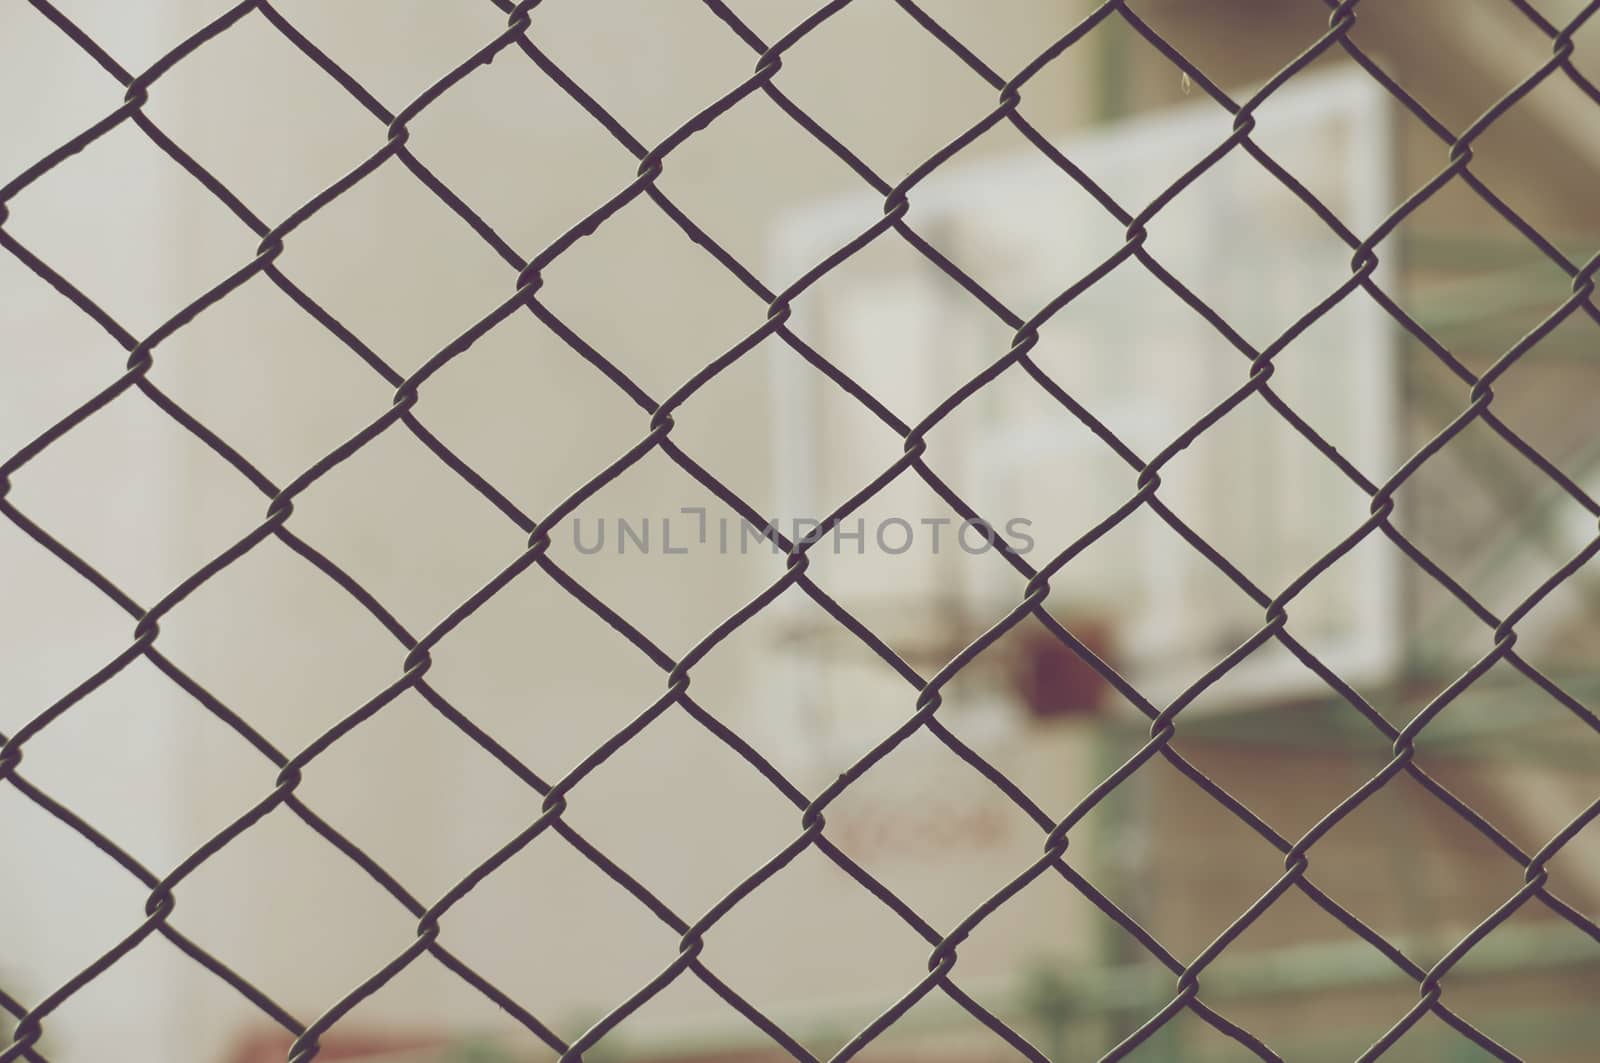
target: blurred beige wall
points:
(281, 645)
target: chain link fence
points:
(658, 414)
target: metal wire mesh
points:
(524, 278)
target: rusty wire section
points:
(523, 281)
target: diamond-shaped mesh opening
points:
(645, 830)
(692, 63)
(530, 415)
(353, 927)
(813, 898)
(1235, 200)
(98, 502)
(225, 369)
(790, 167)
(256, 142)
(550, 725)
(1309, 965)
(1483, 489)
(592, 911)
(142, 734)
(114, 191)
(1418, 849)
(1535, 125)
(632, 545)
(377, 496)
(433, 850)
(1428, 87)
(496, 158)
(1191, 407)
(908, 98)
(972, 209)
(230, 638)
(929, 827)
(399, 270)
(660, 294)
(1517, 1015)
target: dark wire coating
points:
(524, 277)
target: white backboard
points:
(1144, 363)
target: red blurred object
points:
(1050, 678)
(272, 1047)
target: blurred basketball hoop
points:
(1034, 669)
(1144, 364)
